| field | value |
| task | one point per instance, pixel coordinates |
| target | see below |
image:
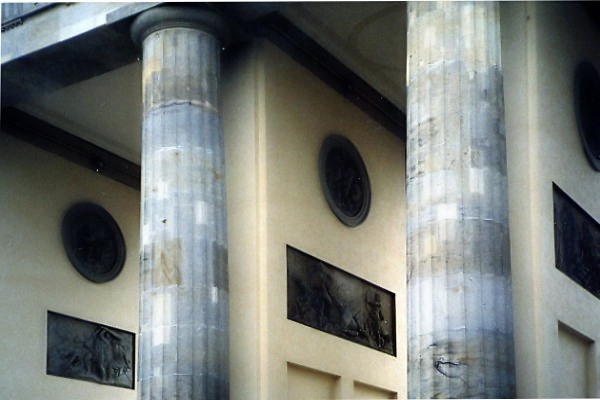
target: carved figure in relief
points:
(322, 304)
(331, 300)
(101, 356)
(344, 182)
(578, 253)
(108, 353)
(320, 298)
(376, 322)
(352, 325)
(95, 247)
(76, 355)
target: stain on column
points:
(460, 334)
(184, 301)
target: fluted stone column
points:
(183, 341)
(460, 336)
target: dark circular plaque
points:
(587, 111)
(93, 242)
(344, 180)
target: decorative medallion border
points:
(344, 180)
(587, 104)
(93, 242)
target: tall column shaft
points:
(183, 341)
(460, 336)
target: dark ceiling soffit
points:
(110, 47)
(68, 62)
(50, 138)
(83, 62)
(311, 55)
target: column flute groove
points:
(184, 340)
(460, 342)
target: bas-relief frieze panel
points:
(329, 299)
(89, 351)
(577, 242)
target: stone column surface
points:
(183, 339)
(460, 329)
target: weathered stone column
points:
(183, 341)
(460, 336)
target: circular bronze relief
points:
(93, 242)
(587, 111)
(344, 180)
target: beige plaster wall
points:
(107, 111)
(36, 276)
(241, 99)
(300, 112)
(576, 354)
(542, 46)
(280, 114)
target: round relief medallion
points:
(93, 242)
(344, 180)
(587, 111)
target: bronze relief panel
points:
(93, 242)
(85, 350)
(576, 242)
(331, 300)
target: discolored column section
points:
(460, 335)
(183, 340)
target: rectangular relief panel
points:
(576, 242)
(89, 351)
(329, 299)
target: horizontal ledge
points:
(48, 137)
